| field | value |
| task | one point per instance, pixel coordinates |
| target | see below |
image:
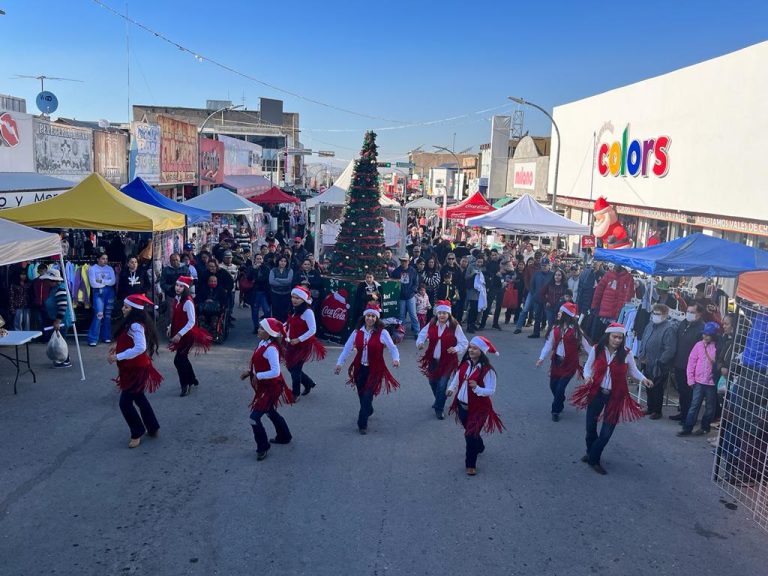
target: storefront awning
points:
(31, 182)
(247, 185)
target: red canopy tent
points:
(274, 196)
(475, 205)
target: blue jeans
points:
(527, 307)
(558, 386)
(21, 319)
(259, 302)
(410, 307)
(596, 443)
(700, 393)
(438, 386)
(103, 301)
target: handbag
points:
(510, 300)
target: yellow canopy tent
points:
(95, 204)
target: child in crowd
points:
(422, 305)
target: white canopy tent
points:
(336, 195)
(422, 203)
(19, 243)
(526, 216)
(223, 201)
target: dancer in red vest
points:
(605, 393)
(368, 371)
(269, 387)
(136, 342)
(301, 345)
(185, 335)
(446, 344)
(475, 381)
(562, 344)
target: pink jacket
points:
(699, 366)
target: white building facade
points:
(680, 153)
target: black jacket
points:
(688, 333)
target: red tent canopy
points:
(274, 196)
(475, 205)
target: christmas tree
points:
(360, 245)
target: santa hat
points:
(303, 293)
(484, 344)
(273, 327)
(443, 306)
(601, 206)
(138, 301)
(570, 308)
(615, 328)
(373, 309)
(185, 281)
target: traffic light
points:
(384, 164)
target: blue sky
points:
(404, 61)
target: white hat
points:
(484, 344)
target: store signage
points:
(178, 151)
(9, 131)
(16, 150)
(525, 176)
(145, 152)
(109, 156)
(61, 150)
(211, 161)
(241, 157)
(634, 157)
(588, 242)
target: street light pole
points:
(455, 185)
(199, 135)
(557, 131)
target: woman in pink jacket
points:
(701, 378)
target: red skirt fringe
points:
(480, 419)
(197, 340)
(307, 351)
(272, 397)
(443, 368)
(621, 406)
(376, 380)
(146, 379)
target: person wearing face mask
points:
(657, 350)
(688, 334)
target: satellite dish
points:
(103, 123)
(47, 102)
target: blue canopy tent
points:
(143, 192)
(694, 255)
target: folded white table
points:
(17, 339)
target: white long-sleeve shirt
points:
(136, 332)
(386, 339)
(489, 385)
(273, 357)
(189, 308)
(550, 342)
(461, 340)
(309, 317)
(589, 367)
(101, 276)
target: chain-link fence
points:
(740, 457)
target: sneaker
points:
(534, 336)
(66, 364)
(701, 432)
(517, 331)
(92, 344)
(677, 417)
(684, 433)
(107, 341)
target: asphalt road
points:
(75, 500)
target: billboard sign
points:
(240, 157)
(525, 176)
(211, 161)
(16, 149)
(145, 152)
(178, 151)
(63, 151)
(110, 151)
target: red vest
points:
(569, 365)
(310, 349)
(135, 374)
(378, 373)
(268, 393)
(448, 363)
(481, 416)
(196, 338)
(621, 406)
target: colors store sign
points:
(634, 157)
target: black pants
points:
(185, 370)
(298, 378)
(656, 394)
(457, 310)
(494, 297)
(283, 433)
(471, 314)
(142, 421)
(474, 444)
(684, 391)
(366, 398)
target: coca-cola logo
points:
(333, 314)
(9, 131)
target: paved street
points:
(195, 501)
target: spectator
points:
(615, 289)
(170, 274)
(408, 284)
(258, 295)
(586, 289)
(492, 275)
(299, 253)
(461, 285)
(224, 280)
(423, 305)
(40, 289)
(448, 291)
(700, 375)
(133, 280)
(57, 312)
(473, 292)
(553, 295)
(281, 282)
(101, 277)
(389, 261)
(243, 236)
(574, 274)
(367, 291)
(216, 299)
(518, 281)
(656, 353)
(310, 278)
(451, 265)
(430, 277)
(415, 254)
(19, 302)
(535, 300)
(688, 334)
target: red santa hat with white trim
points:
(443, 306)
(185, 281)
(570, 308)
(372, 309)
(484, 344)
(303, 293)
(602, 205)
(138, 301)
(273, 327)
(615, 328)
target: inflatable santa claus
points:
(607, 226)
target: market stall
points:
(274, 196)
(20, 243)
(139, 190)
(526, 216)
(226, 208)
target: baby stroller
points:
(214, 317)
